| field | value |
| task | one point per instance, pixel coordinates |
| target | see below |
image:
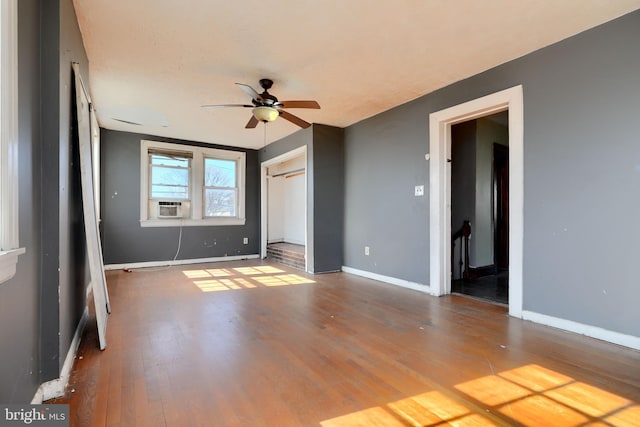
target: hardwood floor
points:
(259, 344)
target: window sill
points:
(8, 262)
(207, 222)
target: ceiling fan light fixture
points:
(265, 114)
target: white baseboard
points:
(567, 325)
(55, 388)
(582, 329)
(179, 262)
(386, 279)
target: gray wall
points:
(581, 172)
(328, 197)
(41, 306)
(384, 161)
(325, 176)
(49, 279)
(125, 241)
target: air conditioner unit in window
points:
(169, 209)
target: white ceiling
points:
(156, 61)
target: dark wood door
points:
(501, 205)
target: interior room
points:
(321, 213)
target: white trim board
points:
(179, 262)
(440, 123)
(390, 280)
(582, 329)
(55, 388)
(9, 177)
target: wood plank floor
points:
(258, 344)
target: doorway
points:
(440, 124)
(284, 209)
(479, 207)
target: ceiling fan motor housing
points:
(267, 99)
(266, 84)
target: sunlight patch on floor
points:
(626, 417)
(220, 272)
(438, 407)
(246, 283)
(263, 269)
(369, 417)
(214, 285)
(533, 395)
(493, 390)
(530, 395)
(283, 280)
(225, 279)
(427, 409)
(196, 274)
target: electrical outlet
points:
(366, 250)
(419, 191)
(245, 241)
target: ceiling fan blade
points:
(300, 104)
(250, 91)
(294, 119)
(226, 105)
(252, 123)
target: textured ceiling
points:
(156, 61)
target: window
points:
(187, 185)
(170, 175)
(220, 191)
(9, 248)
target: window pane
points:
(169, 183)
(220, 203)
(219, 173)
(160, 175)
(169, 192)
(169, 160)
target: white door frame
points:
(440, 188)
(264, 198)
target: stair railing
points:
(463, 234)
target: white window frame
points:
(9, 243)
(236, 188)
(196, 212)
(182, 154)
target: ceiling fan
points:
(267, 108)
